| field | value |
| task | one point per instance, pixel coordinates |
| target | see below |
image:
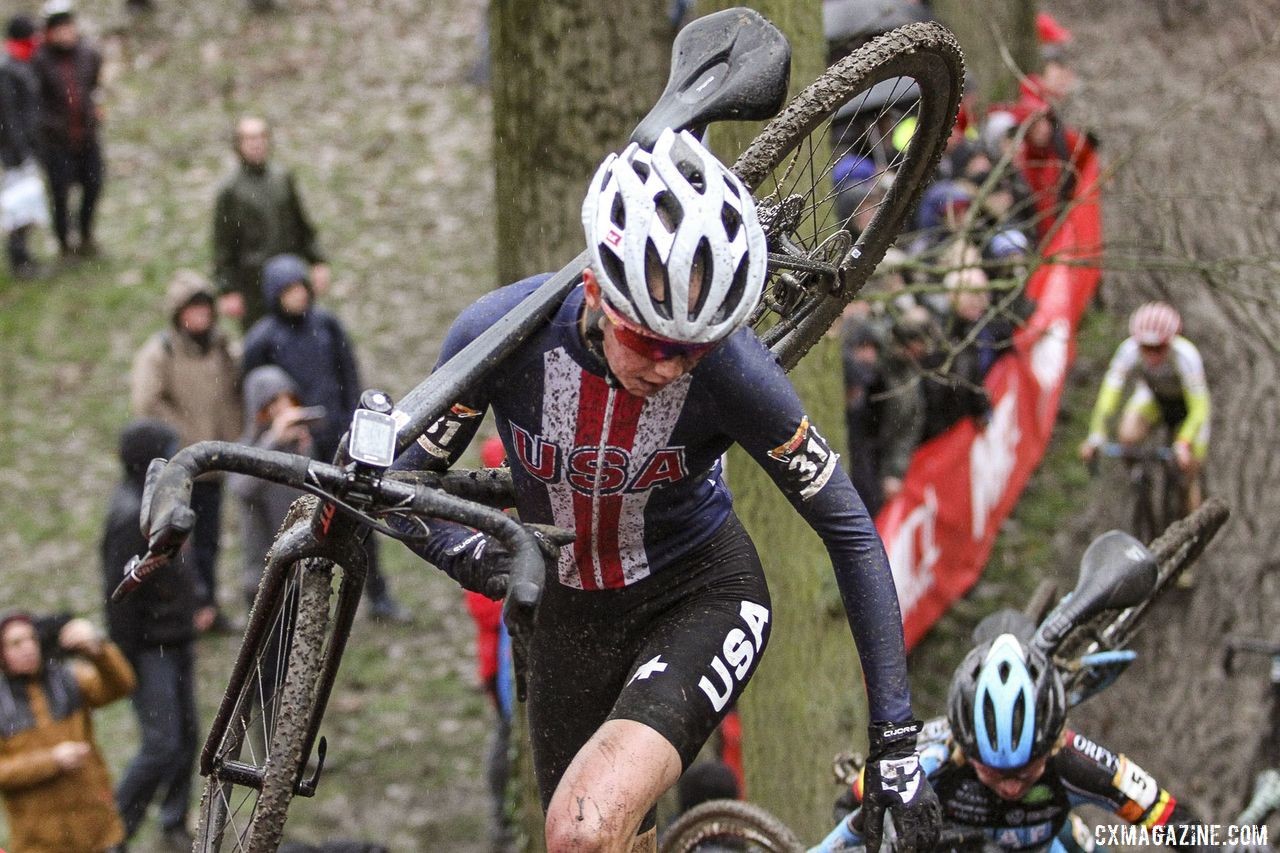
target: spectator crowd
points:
(945, 304)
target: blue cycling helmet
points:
(1006, 704)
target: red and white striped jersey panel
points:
(605, 437)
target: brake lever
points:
(160, 550)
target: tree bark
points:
(570, 81)
(1007, 23)
(806, 701)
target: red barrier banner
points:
(961, 485)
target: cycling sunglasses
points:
(651, 346)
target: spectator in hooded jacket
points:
(53, 780)
(188, 376)
(66, 69)
(259, 214)
(311, 345)
(156, 628)
(18, 126)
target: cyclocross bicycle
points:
(1157, 493)
(729, 65)
(1088, 634)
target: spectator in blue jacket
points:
(311, 345)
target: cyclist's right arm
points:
(1265, 800)
(1122, 364)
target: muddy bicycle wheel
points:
(257, 763)
(729, 824)
(840, 169)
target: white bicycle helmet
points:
(1155, 324)
(653, 216)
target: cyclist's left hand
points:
(480, 563)
(894, 780)
(1182, 453)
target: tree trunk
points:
(1007, 23)
(806, 701)
(569, 84)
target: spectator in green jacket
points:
(258, 214)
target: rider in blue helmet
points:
(1006, 707)
(1003, 761)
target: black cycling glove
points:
(893, 779)
(480, 564)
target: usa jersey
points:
(640, 480)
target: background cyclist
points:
(615, 417)
(1169, 387)
(1003, 761)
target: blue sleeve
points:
(761, 411)
(445, 440)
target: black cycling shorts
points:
(672, 651)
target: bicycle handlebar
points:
(168, 519)
(1137, 453)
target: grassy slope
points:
(392, 149)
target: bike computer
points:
(373, 438)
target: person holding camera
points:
(275, 419)
(53, 780)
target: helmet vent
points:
(703, 270)
(659, 283)
(737, 286)
(618, 212)
(732, 222)
(669, 211)
(988, 715)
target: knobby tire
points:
(790, 163)
(237, 819)
(720, 821)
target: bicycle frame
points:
(1148, 517)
